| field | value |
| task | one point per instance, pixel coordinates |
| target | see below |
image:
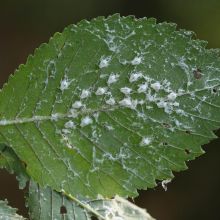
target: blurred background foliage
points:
(24, 25)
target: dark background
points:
(24, 25)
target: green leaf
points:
(112, 105)
(10, 161)
(44, 203)
(8, 213)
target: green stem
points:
(85, 206)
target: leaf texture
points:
(10, 162)
(8, 213)
(112, 105)
(44, 203)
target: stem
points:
(85, 206)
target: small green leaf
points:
(112, 105)
(10, 161)
(44, 203)
(8, 213)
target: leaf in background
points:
(8, 213)
(44, 203)
(110, 106)
(12, 164)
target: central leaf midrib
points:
(54, 117)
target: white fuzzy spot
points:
(181, 112)
(112, 78)
(128, 102)
(126, 90)
(151, 98)
(54, 117)
(96, 116)
(135, 76)
(85, 93)
(118, 218)
(172, 96)
(164, 183)
(102, 76)
(64, 84)
(104, 62)
(142, 88)
(156, 86)
(73, 113)
(162, 104)
(181, 91)
(176, 104)
(109, 127)
(3, 122)
(136, 61)
(101, 91)
(183, 64)
(69, 124)
(77, 104)
(178, 124)
(110, 101)
(168, 109)
(167, 106)
(145, 141)
(141, 102)
(86, 121)
(66, 131)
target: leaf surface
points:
(10, 162)
(112, 105)
(8, 213)
(44, 203)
